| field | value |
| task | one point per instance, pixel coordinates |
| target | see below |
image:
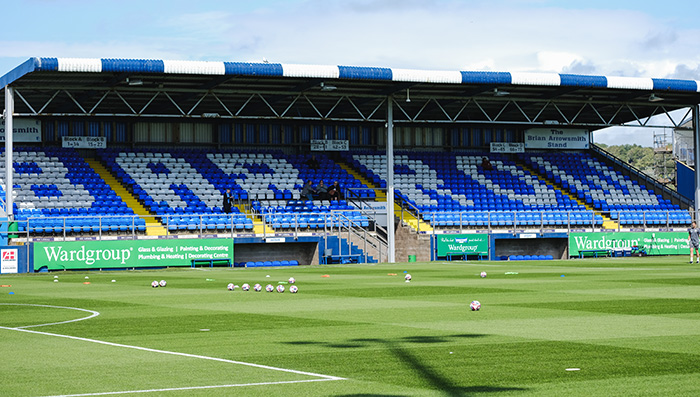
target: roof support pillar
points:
(391, 255)
(9, 110)
(696, 154)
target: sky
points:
(602, 37)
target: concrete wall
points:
(408, 242)
(306, 253)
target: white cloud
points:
(446, 35)
(625, 136)
(552, 61)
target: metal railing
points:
(495, 221)
(370, 238)
(338, 222)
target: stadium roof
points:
(194, 89)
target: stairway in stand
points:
(259, 226)
(409, 218)
(153, 227)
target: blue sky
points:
(622, 38)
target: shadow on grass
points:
(364, 342)
(432, 377)
(437, 381)
(462, 392)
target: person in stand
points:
(334, 191)
(228, 198)
(308, 191)
(322, 191)
(694, 241)
(486, 164)
(313, 163)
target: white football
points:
(293, 289)
(163, 283)
(245, 287)
(292, 280)
(407, 277)
(483, 274)
(154, 284)
(257, 287)
(475, 305)
(280, 288)
(269, 288)
(231, 286)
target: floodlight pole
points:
(9, 110)
(696, 154)
(390, 180)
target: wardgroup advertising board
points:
(462, 243)
(128, 253)
(654, 243)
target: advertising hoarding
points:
(59, 255)
(654, 243)
(462, 243)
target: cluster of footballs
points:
(269, 288)
(156, 283)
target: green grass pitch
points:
(593, 327)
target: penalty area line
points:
(109, 393)
(223, 360)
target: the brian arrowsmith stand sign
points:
(128, 253)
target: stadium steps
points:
(607, 222)
(408, 218)
(153, 227)
(340, 245)
(259, 227)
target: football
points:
(293, 289)
(269, 288)
(475, 305)
(407, 277)
(154, 284)
(163, 283)
(483, 274)
(257, 287)
(230, 287)
(280, 288)
(292, 280)
(245, 287)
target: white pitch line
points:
(108, 393)
(223, 360)
(94, 313)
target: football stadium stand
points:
(177, 134)
(58, 192)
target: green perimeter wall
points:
(462, 243)
(128, 253)
(655, 243)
